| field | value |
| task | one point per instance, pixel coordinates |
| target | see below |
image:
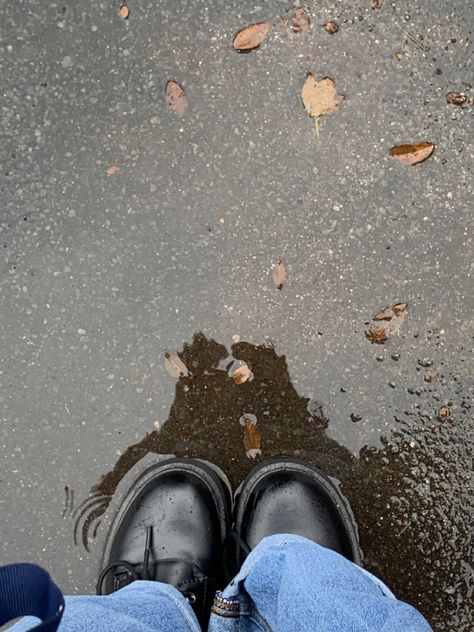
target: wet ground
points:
(101, 275)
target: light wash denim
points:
(287, 584)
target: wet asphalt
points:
(101, 274)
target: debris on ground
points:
(412, 154)
(316, 414)
(124, 12)
(460, 99)
(252, 437)
(176, 98)
(320, 97)
(301, 20)
(240, 372)
(331, 27)
(175, 366)
(112, 170)
(250, 37)
(387, 322)
(279, 274)
(444, 413)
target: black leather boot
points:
(171, 528)
(287, 495)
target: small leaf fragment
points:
(301, 20)
(459, 98)
(431, 374)
(387, 321)
(124, 12)
(444, 413)
(279, 274)
(377, 334)
(252, 439)
(331, 27)
(175, 366)
(176, 98)
(112, 170)
(412, 154)
(250, 37)
(320, 97)
(386, 313)
(242, 374)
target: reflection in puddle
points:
(408, 497)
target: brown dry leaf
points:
(301, 20)
(250, 37)
(459, 98)
(176, 98)
(375, 4)
(431, 374)
(444, 413)
(320, 97)
(279, 274)
(398, 308)
(175, 366)
(252, 439)
(412, 154)
(387, 322)
(378, 334)
(112, 170)
(242, 374)
(386, 313)
(331, 27)
(124, 12)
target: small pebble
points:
(425, 362)
(395, 356)
(391, 384)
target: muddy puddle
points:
(411, 494)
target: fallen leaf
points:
(124, 12)
(386, 313)
(112, 170)
(387, 321)
(317, 416)
(176, 98)
(377, 334)
(458, 98)
(399, 308)
(375, 4)
(252, 439)
(279, 274)
(175, 366)
(331, 27)
(431, 374)
(320, 97)
(444, 413)
(250, 37)
(242, 374)
(412, 154)
(301, 20)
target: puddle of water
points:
(408, 496)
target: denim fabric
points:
(287, 584)
(290, 584)
(140, 607)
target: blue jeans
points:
(287, 584)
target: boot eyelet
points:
(190, 597)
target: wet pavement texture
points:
(101, 275)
